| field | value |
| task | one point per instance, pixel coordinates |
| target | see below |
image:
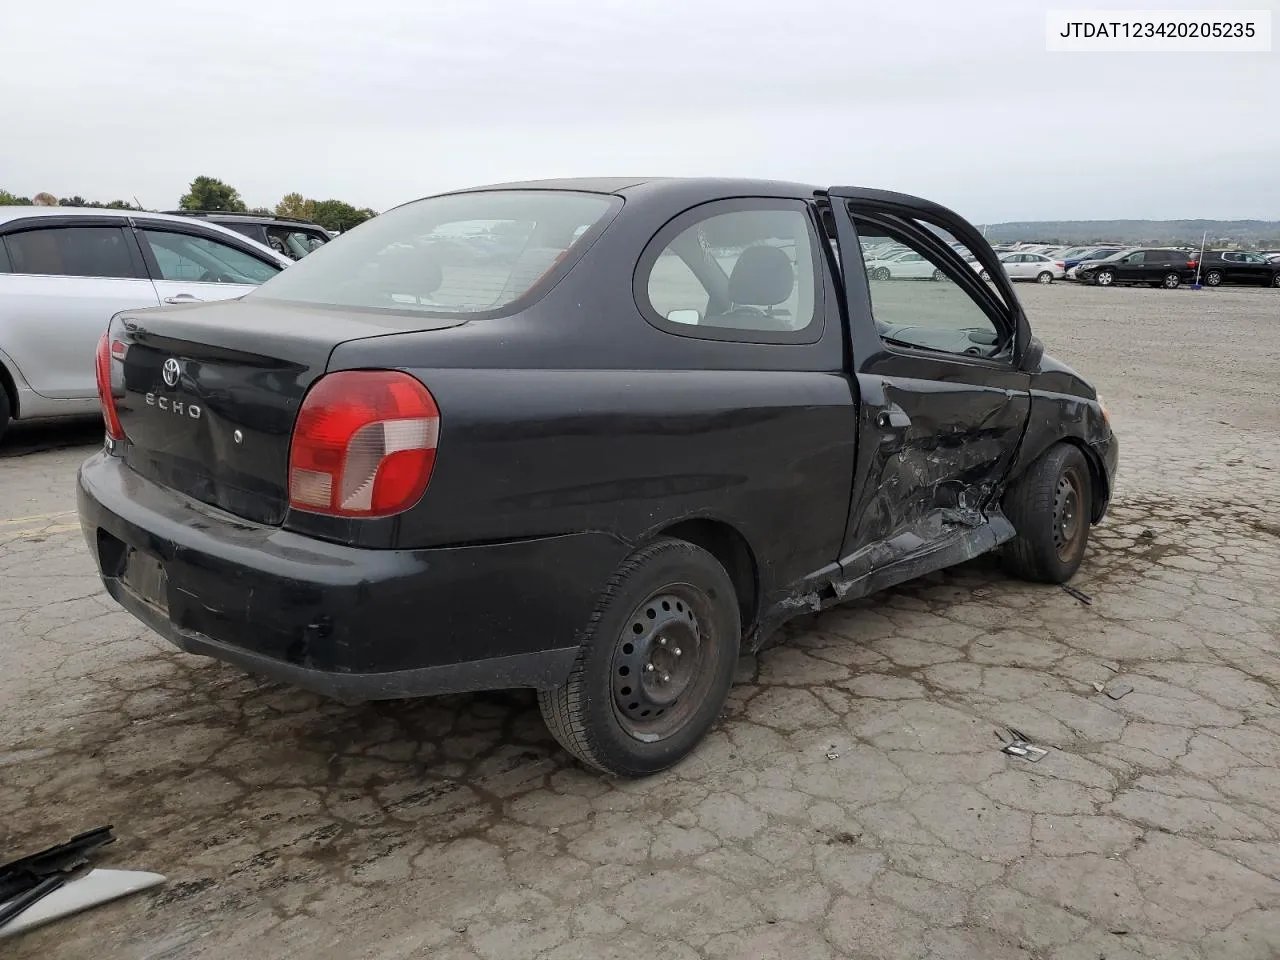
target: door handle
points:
(893, 417)
(181, 298)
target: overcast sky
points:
(380, 101)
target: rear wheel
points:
(1275, 279)
(1050, 508)
(1171, 281)
(985, 276)
(1213, 278)
(880, 273)
(939, 275)
(5, 412)
(1044, 277)
(655, 669)
(1105, 278)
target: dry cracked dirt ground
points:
(853, 801)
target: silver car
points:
(64, 271)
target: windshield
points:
(468, 253)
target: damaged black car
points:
(592, 437)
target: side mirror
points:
(1032, 355)
(685, 316)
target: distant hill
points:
(1244, 233)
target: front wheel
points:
(939, 275)
(1050, 507)
(880, 273)
(655, 668)
(1171, 281)
(1105, 278)
(985, 276)
(1275, 280)
(1044, 277)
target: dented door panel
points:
(933, 454)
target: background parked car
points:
(294, 238)
(1238, 266)
(1154, 266)
(65, 271)
(1030, 266)
(903, 266)
(1090, 253)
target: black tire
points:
(1104, 278)
(1275, 280)
(1050, 507)
(666, 597)
(1044, 276)
(5, 412)
(1171, 281)
(1213, 278)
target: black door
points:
(1132, 268)
(944, 404)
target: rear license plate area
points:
(144, 576)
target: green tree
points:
(296, 206)
(8, 199)
(210, 193)
(339, 215)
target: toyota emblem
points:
(171, 371)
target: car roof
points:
(9, 214)
(627, 185)
(217, 215)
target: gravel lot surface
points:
(853, 801)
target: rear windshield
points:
(469, 253)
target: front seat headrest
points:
(762, 277)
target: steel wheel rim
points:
(1069, 522)
(663, 663)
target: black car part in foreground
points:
(592, 437)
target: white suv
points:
(65, 271)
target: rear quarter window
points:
(474, 254)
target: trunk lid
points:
(211, 392)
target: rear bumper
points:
(355, 624)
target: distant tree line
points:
(212, 194)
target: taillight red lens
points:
(364, 444)
(102, 365)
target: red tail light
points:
(1059, 264)
(364, 444)
(106, 396)
(1192, 264)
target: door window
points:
(1135, 258)
(738, 270)
(184, 257)
(932, 314)
(72, 252)
(294, 244)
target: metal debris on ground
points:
(45, 886)
(1078, 594)
(1019, 745)
(1119, 690)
